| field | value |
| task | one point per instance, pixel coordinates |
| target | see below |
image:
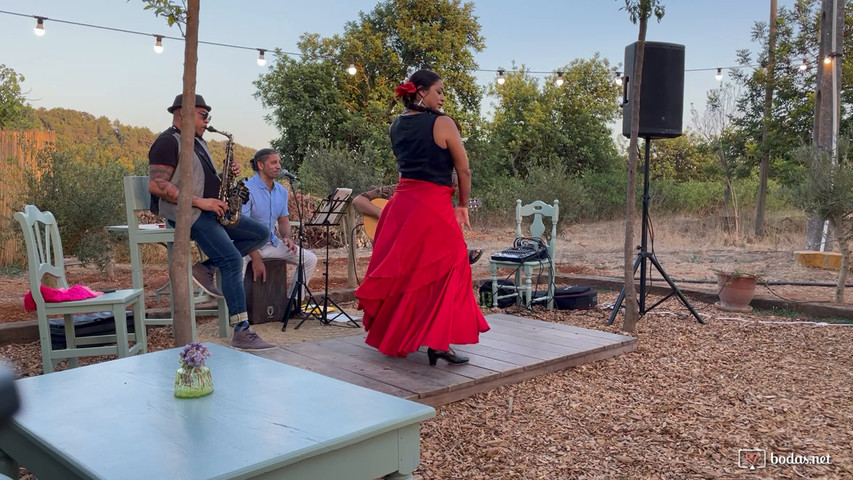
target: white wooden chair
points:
(537, 211)
(136, 199)
(45, 258)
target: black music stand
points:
(329, 214)
(645, 257)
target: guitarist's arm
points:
(363, 203)
(363, 206)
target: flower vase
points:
(193, 382)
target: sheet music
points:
(331, 208)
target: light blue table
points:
(120, 420)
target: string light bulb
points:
(501, 79)
(351, 69)
(158, 44)
(559, 81)
(39, 30)
(804, 65)
(618, 78)
(827, 59)
(719, 75)
(261, 60)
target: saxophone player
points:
(224, 246)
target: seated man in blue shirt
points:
(268, 205)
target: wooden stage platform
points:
(515, 349)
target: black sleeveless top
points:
(418, 156)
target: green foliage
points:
(315, 102)
(681, 158)
(173, 13)
(605, 194)
(14, 111)
(791, 118)
(327, 167)
(85, 194)
(643, 9)
(566, 124)
(543, 182)
(827, 190)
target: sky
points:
(118, 75)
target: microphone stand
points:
(294, 302)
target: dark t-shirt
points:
(165, 151)
(418, 156)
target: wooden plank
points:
(395, 371)
(307, 363)
(421, 371)
(544, 343)
(450, 397)
(509, 347)
(545, 331)
(475, 370)
(559, 326)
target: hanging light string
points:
(500, 73)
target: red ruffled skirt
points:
(418, 287)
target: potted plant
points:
(737, 288)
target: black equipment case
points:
(505, 287)
(572, 298)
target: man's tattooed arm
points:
(159, 184)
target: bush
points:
(84, 197)
(545, 183)
(328, 167)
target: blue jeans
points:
(225, 248)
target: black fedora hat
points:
(179, 100)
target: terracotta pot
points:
(736, 291)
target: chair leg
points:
(46, 345)
(121, 330)
(494, 269)
(70, 338)
(139, 328)
(528, 285)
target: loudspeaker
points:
(661, 92)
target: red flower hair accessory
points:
(406, 88)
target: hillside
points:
(87, 135)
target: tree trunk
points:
(632, 312)
(842, 237)
(763, 172)
(181, 286)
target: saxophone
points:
(233, 193)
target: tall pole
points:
(827, 109)
(765, 137)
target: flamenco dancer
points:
(417, 289)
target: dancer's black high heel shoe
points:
(449, 356)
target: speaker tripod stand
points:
(646, 259)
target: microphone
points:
(285, 173)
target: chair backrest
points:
(539, 210)
(44, 249)
(136, 199)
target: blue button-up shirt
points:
(266, 205)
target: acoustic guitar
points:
(370, 222)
